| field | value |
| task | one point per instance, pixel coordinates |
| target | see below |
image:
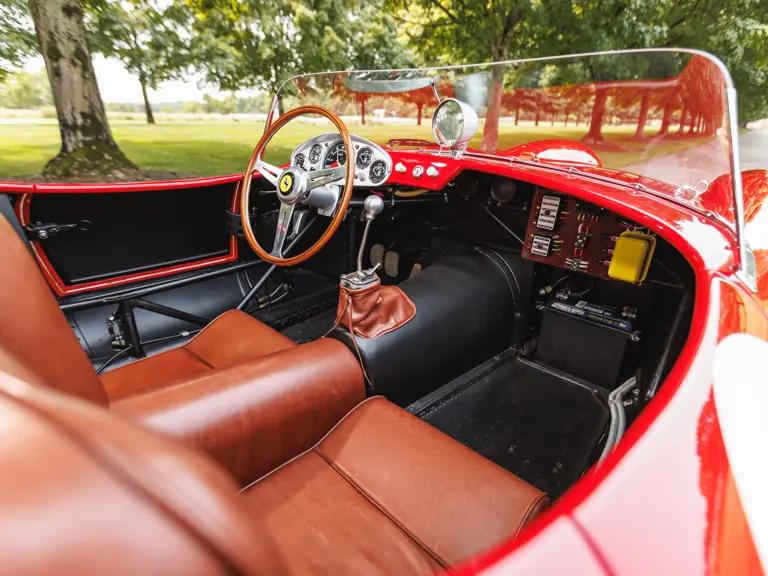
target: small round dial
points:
(364, 157)
(336, 155)
(503, 190)
(299, 160)
(378, 171)
(314, 153)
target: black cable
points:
(114, 357)
(101, 368)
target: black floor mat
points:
(535, 424)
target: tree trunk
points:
(362, 111)
(517, 115)
(491, 128)
(536, 120)
(643, 118)
(147, 105)
(419, 108)
(683, 115)
(595, 133)
(87, 145)
(667, 120)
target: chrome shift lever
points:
(372, 207)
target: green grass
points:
(207, 148)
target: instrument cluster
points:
(372, 163)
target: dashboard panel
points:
(373, 165)
(579, 236)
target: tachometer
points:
(364, 157)
(378, 171)
(336, 155)
(314, 153)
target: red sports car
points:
(385, 349)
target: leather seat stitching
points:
(528, 513)
(385, 512)
(198, 357)
(311, 449)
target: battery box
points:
(586, 339)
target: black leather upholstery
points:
(465, 306)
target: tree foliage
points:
(255, 43)
(26, 90)
(148, 39)
(465, 31)
(17, 35)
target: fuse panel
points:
(573, 234)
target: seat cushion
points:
(386, 492)
(232, 338)
(256, 415)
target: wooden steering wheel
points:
(295, 185)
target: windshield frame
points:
(746, 269)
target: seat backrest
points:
(84, 492)
(36, 343)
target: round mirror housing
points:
(454, 123)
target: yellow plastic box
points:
(632, 256)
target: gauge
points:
(364, 157)
(378, 171)
(314, 154)
(336, 154)
(467, 184)
(298, 160)
(503, 190)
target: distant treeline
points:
(30, 91)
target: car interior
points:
(486, 345)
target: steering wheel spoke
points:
(271, 173)
(326, 176)
(283, 224)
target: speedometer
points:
(336, 155)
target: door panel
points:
(131, 232)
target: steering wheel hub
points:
(292, 185)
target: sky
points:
(116, 84)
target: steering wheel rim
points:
(289, 197)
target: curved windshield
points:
(663, 114)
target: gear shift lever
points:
(372, 207)
(355, 280)
(366, 308)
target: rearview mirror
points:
(454, 123)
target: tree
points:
(254, 43)
(17, 37)
(86, 140)
(145, 38)
(25, 90)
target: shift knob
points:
(372, 207)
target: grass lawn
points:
(208, 148)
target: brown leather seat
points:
(232, 338)
(236, 383)
(88, 493)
